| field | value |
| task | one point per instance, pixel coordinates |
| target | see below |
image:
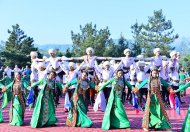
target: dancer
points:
(186, 124)
(77, 116)
(17, 109)
(115, 115)
(155, 116)
(44, 110)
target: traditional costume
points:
(77, 116)
(115, 115)
(44, 111)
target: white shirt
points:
(89, 61)
(157, 61)
(8, 72)
(133, 77)
(164, 73)
(127, 62)
(16, 69)
(107, 74)
(174, 76)
(34, 71)
(141, 76)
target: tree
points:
(121, 46)
(59, 53)
(68, 53)
(157, 33)
(136, 45)
(2, 44)
(18, 48)
(91, 37)
(185, 62)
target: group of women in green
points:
(155, 116)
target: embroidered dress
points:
(115, 115)
(77, 116)
(17, 109)
(186, 123)
(155, 115)
(44, 111)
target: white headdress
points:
(140, 57)
(106, 63)
(141, 63)
(156, 50)
(112, 62)
(44, 57)
(51, 51)
(126, 50)
(164, 63)
(33, 53)
(41, 64)
(90, 49)
(71, 64)
(173, 53)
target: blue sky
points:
(51, 21)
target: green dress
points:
(155, 115)
(17, 109)
(26, 83)
(182, 77)
(186, 123)
(77, 116)
(5, 82)
(44, 110)
(115, 115)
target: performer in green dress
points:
(115, 115)
(44, 110)
(155, 116)
(77, 116)
(186, 123)
(182, 77)
(17, 109)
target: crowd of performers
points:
(100, 82)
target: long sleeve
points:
(75, 81)
(143, 83)
(183, 87)
(2, 80)
(106, 84)
(10, 85)
(164, 83)
(38, 83)
(59, 85)
(78, 68)
(129, 85)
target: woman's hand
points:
(65, 89)
(175, 91)
(171, 91)
(4, 89)
(135, 90)
(97, 88)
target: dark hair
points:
(119, 70)
(84, 71)
(18, 73)
(53, 73)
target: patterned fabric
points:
(119, 85)
(154, 103)
(16, 118)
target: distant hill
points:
(182, 45)
(43, 48)
(61, 47)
